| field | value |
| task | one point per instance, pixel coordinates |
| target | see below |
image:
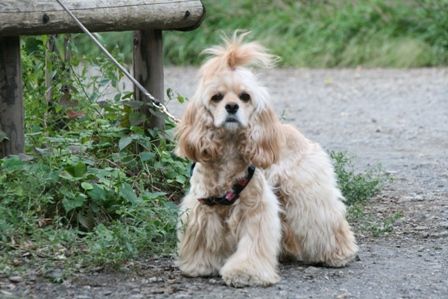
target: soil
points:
(396, 118)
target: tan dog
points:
(290, 207)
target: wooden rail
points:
(27, 17)
(20, 17)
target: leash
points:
(154, 102)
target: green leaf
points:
(97, 193)
(87, 221)
(153, 195)
(13, 163)
(77, 170)
(146, 156)
(124, 142)
(86, 186)
(181, 179)
(128, 193)
(135, 105)
(136, 118)
(73, 203)
(181, 99)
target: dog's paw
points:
(198, 270)
(243, 277)
(339, 261)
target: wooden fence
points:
(148, 18)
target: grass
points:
(318, 34)
(370, 224)
(339, 33)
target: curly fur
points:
(291, 208)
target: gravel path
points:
(398, 118)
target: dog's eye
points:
(245, 97)
(217, 97)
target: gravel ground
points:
(398, 118)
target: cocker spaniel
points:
(260, 190)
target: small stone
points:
(421, 227)
(440, 234)
(444, 224)
(183, 296)
(55, 275)
(343, 294)
(283, 294)
(311, 271)
(155, 279)
(15, 279)
(16, 262)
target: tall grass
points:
(338, 33)
(318, 34)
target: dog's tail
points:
(235, 53)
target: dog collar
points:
(232, 195)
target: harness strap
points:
(232, 195)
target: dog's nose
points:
(232, 108)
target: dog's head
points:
(230, 101)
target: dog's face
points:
(229, 101)
(232, 98)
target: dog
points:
(260, 191)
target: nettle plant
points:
(90, 160)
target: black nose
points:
(232, 108)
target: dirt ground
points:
(398, 118)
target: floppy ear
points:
(198, 140)
(263, 139)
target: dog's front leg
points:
(201, 247)
(256, 257)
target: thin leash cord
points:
(156, 103)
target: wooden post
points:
(148, 69)
(11, 99)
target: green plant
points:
(95, 184)
(370, 223)
(357, 187)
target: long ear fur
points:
(198, 140)
(263, 139)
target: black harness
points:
(232, 195)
